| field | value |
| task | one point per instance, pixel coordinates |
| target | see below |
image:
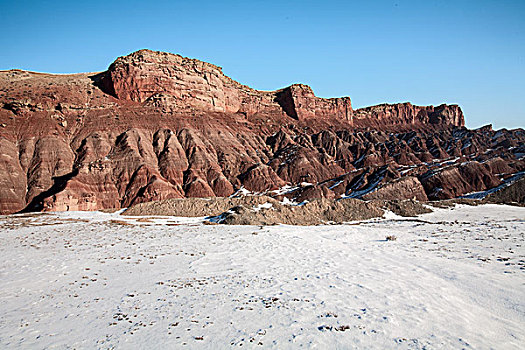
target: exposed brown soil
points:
(316, 212)
(407, 207)
(262, 210)
(195, 207)
(448, 203)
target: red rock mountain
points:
(157, 125)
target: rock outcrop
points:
(157, 126)
(299, 102)
(408, 114)
(513, 193)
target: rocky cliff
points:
(157, 125)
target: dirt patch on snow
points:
(195, 207)
(317, 212)
(407, 207)
(449, 203)
(513, 194)
(262, 210)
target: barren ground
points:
(453, 278)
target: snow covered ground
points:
(454, 278)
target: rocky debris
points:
(512, 194)
(157, 126)
(449, 203)
(316, 212)
(407, 187)
(407, 207)
(262, 210)
(196, 207)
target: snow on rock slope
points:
(452, 279)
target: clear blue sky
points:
(427, 52)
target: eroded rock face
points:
(146, 75)
(157, 126)
(13, 180)
(406, 113)
(408, 187)
(299, 102)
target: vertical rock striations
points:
(157, 125)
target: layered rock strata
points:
(156, 126)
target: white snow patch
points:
(263, 206)
(241, 192)
(284, 190)
(287, 201)
(335, 184)
(453, 279)
(506, 183)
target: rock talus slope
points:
(156, 126)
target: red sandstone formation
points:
(157, 125)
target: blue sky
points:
(427, 52)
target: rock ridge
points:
(172, 81)
(156, 126)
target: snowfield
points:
(454, 278)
